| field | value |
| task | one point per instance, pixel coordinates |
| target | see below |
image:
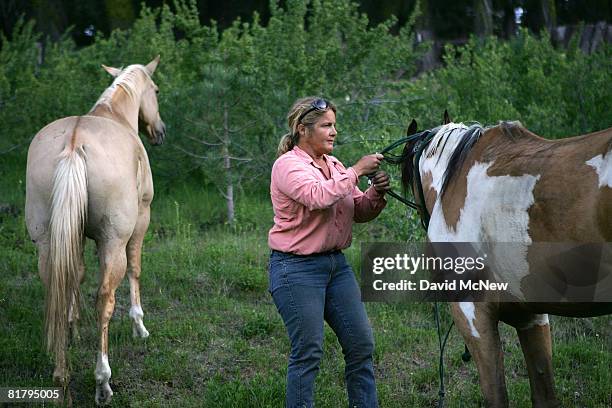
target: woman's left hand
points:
(381, 182)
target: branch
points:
(188, 153)
(246, 159)
(221, 192)
(204, 142)
(239, 130)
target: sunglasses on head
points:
(318, 105)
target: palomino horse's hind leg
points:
(74, 314)
(537, 347)
(134, 250)
(113, 263)
(61, 376)
(477, 323)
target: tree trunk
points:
(541, 14)
(509, 20)
(227, 166)
(549, 14)
(424, 33)
(483, 18)
(50, 17)
(119, 13)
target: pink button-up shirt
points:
(312, 213)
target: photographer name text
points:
(425, 285)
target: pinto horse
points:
(89, 176)
(506, 184)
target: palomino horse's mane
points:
(453, 142)
(127, 80)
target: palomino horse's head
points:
(148, 112)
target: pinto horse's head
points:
(407, 166)
(442, 152)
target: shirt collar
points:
(306, 157)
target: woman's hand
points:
(381, 182)
(367, 164)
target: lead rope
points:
(422, 140)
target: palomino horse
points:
(504, 184)
(89, 176)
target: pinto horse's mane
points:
(468, 137)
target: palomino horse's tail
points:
(66, 230)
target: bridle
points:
(421, 140)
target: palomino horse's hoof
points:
(103, 394)
(138, 330)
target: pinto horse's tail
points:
(66, 230)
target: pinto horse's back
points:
(572, 199)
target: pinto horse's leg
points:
(477, 323)
(134, 250)
(113, 264)
(537, 347)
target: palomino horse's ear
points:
(151, 66)
(447, 118)
(113, 71)
(412, 128)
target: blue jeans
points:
(307, 290)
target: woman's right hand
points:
(368, 164)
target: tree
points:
(483, 18)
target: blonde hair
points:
(291, 139)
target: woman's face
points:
(319, 139)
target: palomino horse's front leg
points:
(478, 323)
(113, 264)
(134, 250)
(537, 347)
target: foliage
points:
(226, 94)
(555, 93)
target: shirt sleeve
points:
(296, 180)
(367, 205)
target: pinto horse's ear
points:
(151, 66)
(412, 128)
(113, 71)
(447, 118)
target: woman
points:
(315, 200)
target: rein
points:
(422, 141)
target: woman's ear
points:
(301, 128)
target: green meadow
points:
(216, 338)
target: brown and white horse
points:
(89, 176)
(505, 184)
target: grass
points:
(216, 338)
